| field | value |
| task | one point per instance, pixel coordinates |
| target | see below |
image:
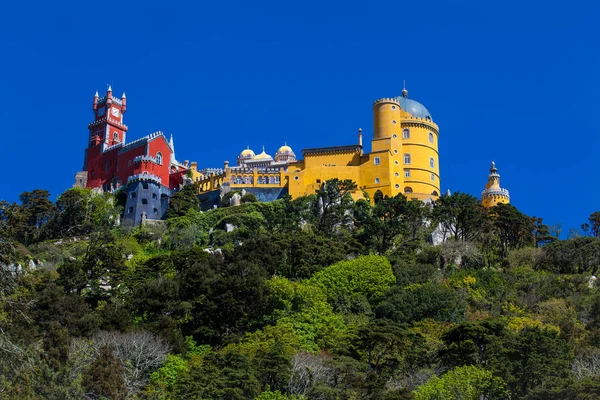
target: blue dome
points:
(415, 108)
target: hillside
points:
(318, 297)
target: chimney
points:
(360, 137)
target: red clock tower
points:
(107, 134)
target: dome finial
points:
(404, 91)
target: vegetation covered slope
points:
(315, 298)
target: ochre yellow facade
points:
(404, 158)
(493, 193)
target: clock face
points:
(115, 112)
(101, 111)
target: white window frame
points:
(376, 160)
(405, 133)
(431, 162)
(407, 173)
(407, 157)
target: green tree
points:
(463, 383)
(104, 376)
(249, 198)
(592, 227)
(514, 229)
(345, 282)
(183, 201)
(530, 357)
(333, 204)
(227, 376)
(420, 301)
(461, 215)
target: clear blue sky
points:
(513, 81)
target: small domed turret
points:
(285, 154)
(246, 154)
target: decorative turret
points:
(285, 154)
(95, 101)
(109, 95)
(493, 193)
(246, 154)
(123, 103)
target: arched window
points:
(277, 179)
(408, 189)
(430, 137)
(378, 196)
(432, 162)
(144, 201)
(133, 195)
(159, 158)
(435, 193)
(116, 137)
(405, 133)
(433, 177)
(407, 159)
(376, 180)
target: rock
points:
(230, 227)
(236, 200)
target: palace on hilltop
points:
(404, 158)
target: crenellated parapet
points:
(151, 159)
(144, 177)
(386, 100)
(408, 122)
(142, 140)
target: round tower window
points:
(394, 136)
(393, 107)
(394, 122)
(397, 174)
(296, 178)
(395, 151)
(397, 186)
(396, 162)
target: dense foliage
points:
(318, 297)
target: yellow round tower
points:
(385, 174)
(493, 193)
(420, 157)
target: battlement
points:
(114, 99)
(211, 171)
(385, 100)
(114, 146)
(245, 170)
(500, 192)
(139, 159)
(108, 119)
(144, 177)
(141, 140)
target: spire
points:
(109, 88)
(172, 146)
(404, 91)
(96, 95)
(123, 97)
